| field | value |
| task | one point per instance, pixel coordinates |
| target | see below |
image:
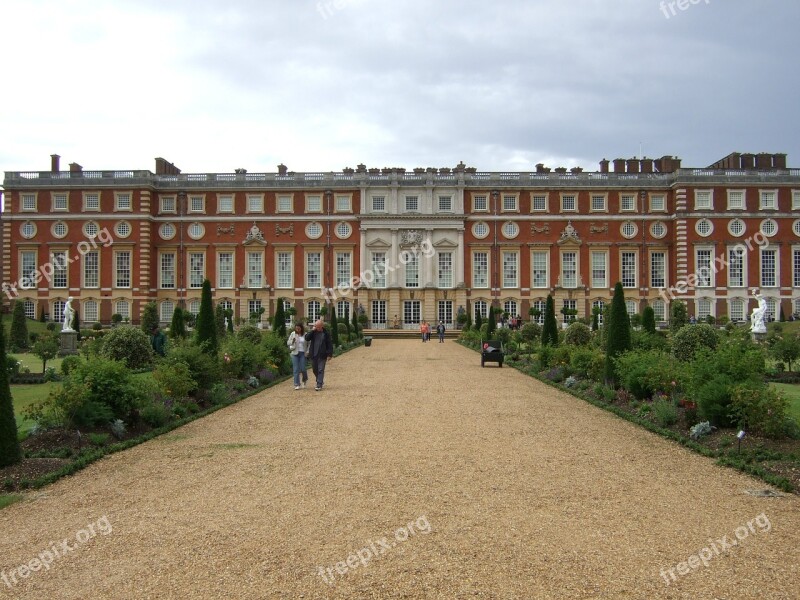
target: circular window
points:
(736, 227)
(510, 230)
(343, 230)
(704, 227)
(196, 231)
(60, 229)
(167, 231)
(91, 229)
(769, 227)
(796, 227)
(628, 229)
(480, 230)
(658, 230)
(313, 230)
(28, 230)
(123, 229)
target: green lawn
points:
(792, 392)
(25, 395)
(34, 363)
(33, 326)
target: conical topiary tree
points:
(354, 322)
(219, 321)
(206, 328)
(177, 327)
(279, 320)
(10, 451)
(491, 323)
(550, 329)
(618, 329)
(678, 316)
(229, 314)
(150, 318)
(334, 327)
(649, 319)
(18, 340)
(478, 321)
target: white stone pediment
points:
(446, 245)
(378, 243)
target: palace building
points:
(421, 244)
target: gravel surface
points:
(430, 476)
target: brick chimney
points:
(619, 165)
(779, 161)
(164, 167)
(282, 169)
(646, 165)
(604, 165)
(540, 167)
(748, 161)
(55, 163)
(75, 168)
(764, 160)
(633, 165)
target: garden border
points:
(722, 459)
(85, 459)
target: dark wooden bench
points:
(492, 351)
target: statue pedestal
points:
(758, 336)
(69, 343)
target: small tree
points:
(46, 348)
(595, 318)
(491, 323)
(782, 317)
(219, 320)
(786, 349)
(354, 322)
(229, 314)
(19, 329)
(206, 328)
(177, 327)
(468, 322)
(334, 329)
(550, 329)
(279, 320)
(478, 321)
(678, 316)
(129, 345)
(150, 318)
(649, 319)
(10, 451)
(618, 338)
(76, 324)
(42, 318)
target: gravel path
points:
(432, 477)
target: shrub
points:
(18, 336)
(642, 340)
(206, 333)
(678, 316)
(219, 394)
(665, 412)
(97, 327)
(277, 354)
(150, 318)
(550, 329)
(174, 379)
(129, 345)
(649, 320)
(279, 320)
(240, 357)
(204, 369)
(155, 413)
(646, 373)
(503, 334)
(12, 366)
(759, 408)
(545, 356)
(700, 429)
(251, 333)
(118, 428)
(99, 439)
(578, 334)
(177, 327)
(713, 399)
(689, 340)
(618, 334)
(562, 357)
(10, 451)
(588, 362)
(69, 364)
(46, 348)
(107, 382)
(530, 332)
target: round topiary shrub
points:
(689, 340)
(130, 345)
(69, 363)
(577, 334)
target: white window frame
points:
(28, 202)
(603, 203)
(625, 266)
(699, 199)
(55, 196)
(509, 203)
(225, 198)
(596, 282)
(742, 256)
(314, 269)
(449, 207)
(374, 201)
(226, 277)
(162, 280)
(344, 268)
(91, 208)
(663, 267)
(652, 201)
(407, 206)
(483, 283)
(90, 279)
(564, 200)
(444, 271)
(193, 272)
(255, 204)
(535, 255)
(343, 203)
(284, 269)
(284, 203)
(118, 204)
(412, 270)
(732, 194)
(167, 204)
(622, 200)
(763, 195)
(58, 259)
(313, 203)
(566, 281)
(118, 272)
(478, 200)
(378, 266)
(776, 271)
(698, 265)
(27, 273)
(510, 261)
(535, 198)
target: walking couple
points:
(316, 346)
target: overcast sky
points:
(322, 85)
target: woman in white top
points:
(297, 347)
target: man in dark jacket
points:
(320, 351)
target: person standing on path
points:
(297, 348)
(440, 330)
(320, 348)
(423, 330)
